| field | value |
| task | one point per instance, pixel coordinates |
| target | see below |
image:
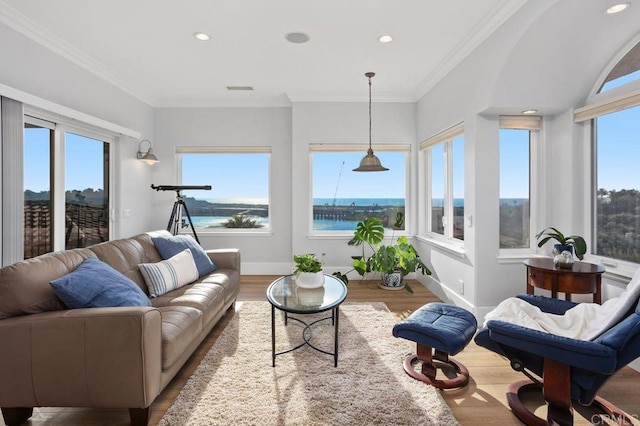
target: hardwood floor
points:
(482, 402)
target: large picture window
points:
(444, 154)
(239, 198)
(70, 166)
(617, 185)
(342, 197)
(614, 118)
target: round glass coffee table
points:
(286, 296)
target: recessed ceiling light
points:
(616, 8)
(385, 38)
(529, 111)
(297, 37)
(202, 36)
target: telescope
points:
(180, 187)
(175, 220)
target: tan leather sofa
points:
(102, 357)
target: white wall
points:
(29, 67)
(261, 254)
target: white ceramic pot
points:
(310, 279)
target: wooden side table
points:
(581, 278)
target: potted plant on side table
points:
(571, 243)
(308, 270)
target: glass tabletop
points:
(285, 295)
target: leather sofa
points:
(102, 357)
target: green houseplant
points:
(571, 243)
(393, 261)
(308, 270)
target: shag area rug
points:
(235, 383)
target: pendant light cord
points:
(369, 112)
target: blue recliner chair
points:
(570, 370)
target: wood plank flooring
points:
(482, 402)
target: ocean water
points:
(326, 224)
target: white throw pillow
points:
(164, 276)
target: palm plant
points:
(241, 221)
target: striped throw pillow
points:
(164, 276)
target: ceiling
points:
(147, 48)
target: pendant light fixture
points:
(370, 163)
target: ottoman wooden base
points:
(426, 355)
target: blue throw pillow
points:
(94, 284)
(170, 246)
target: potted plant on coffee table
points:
(308, 270)
(571, 243)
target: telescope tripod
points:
(176, 222)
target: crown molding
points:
(20, 23)
(489, 23)
(350, 97)
(223, 102)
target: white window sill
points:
(449, 247)
(515, 257)
(252, 232)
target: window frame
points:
(61, 126)
(334, 148)
(534, 125)
(598, 104)
(264, 231)
(445, 138)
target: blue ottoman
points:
(445, 328)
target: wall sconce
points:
(148, 157)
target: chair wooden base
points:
(528, 418)
(429, 370)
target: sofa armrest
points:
(101, 357)
(228, 258)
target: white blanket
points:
(585, 321)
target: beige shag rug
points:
(236, 385)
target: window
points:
(86, 188)
(625, 71)
(239, 178)
(517, 136)
(38, 200)
(83, 183)
(341, 197)
(444, 155)
(615, 195)
(617, 185)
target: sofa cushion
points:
(181, 327)
(169, 274)
(94, 284)
(170, 246)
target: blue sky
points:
(326, 171)
(83, 161)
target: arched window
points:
(625, 71)
(615, 123)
